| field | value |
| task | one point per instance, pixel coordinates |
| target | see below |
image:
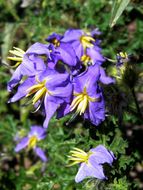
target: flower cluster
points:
(62, 76)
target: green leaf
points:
(118, 7)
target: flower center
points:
(86, 60)
(56, 42)
(78, 156)
(81, 102)
(32, 142)
(18, 56)
(87, 41)
(39, 89)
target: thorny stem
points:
(136, 102)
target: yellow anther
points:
(87, 41)
(81, 102)
(78, 156)
(17, 56)
(39, 89)
(32, 142)
(56, 42)
(86, 59)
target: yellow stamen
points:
(32, 142)
(86, 60)
(56, 42)
(39, 89)
(17, 56)
(81, 101)
(78, 156)
(87, 41)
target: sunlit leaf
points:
(118, 7)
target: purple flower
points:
(49, 87)
(91, 162)
(66, 51)
(79, 40)
(36, 134)
(29, 63)
(88, 99)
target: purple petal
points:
(67, 54)
(16, 77)
(88, 170)
(71, 35)
(101, 155)
(78, 48)
(39, 49)
(64, 92)
(22, 144)
(95, 55)
(57, 80)
(54, 36)
(96, 112)
(41, 154)
(33, 65)
(38, 131)
(95, 32)
(22, 89)
(87, 79)
(50, 109)
(104, 78)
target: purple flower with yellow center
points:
(36, 134)
(88, 99)
(91, 162)
(79, 40)
(66, 51)
(28, 63)
(92, 56)
(49, 87)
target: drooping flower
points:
(49, 87)
(88, 99)
(37, 133)
(29, 63)
(90, 162)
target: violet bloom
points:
(91, 162)
(49, 87)
(29, 63)
(88, 99)
(36, 134)
(66, 51)
(79, 40)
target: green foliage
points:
(22, 26)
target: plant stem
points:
(136, 102)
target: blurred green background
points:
(21, 24)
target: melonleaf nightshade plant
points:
(64, 77)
